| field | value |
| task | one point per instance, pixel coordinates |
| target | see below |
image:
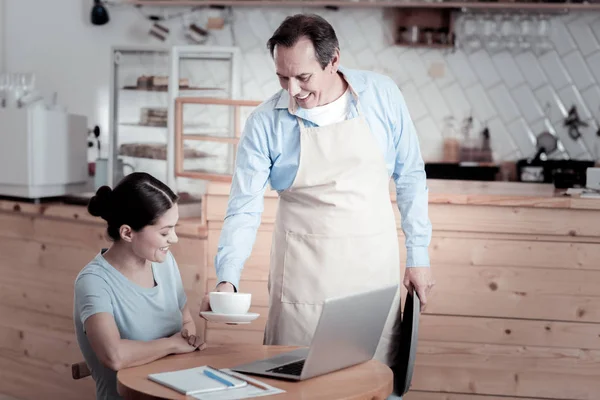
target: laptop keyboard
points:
(294, 368)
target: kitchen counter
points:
(191, 227)
(500, 207)
(510, 194)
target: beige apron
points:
(335, 231)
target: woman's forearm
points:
(188, 321)
(131, 353)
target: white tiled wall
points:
(516, 95)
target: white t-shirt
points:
(334, 112)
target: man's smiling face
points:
(301, 74)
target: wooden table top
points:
(370, 380)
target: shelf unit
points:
(141, 116)
(436, 26)
(181, 58)
(128, 63)
(166, 89)
(425, 27)
(210, 136)
(375, 3)
(137, 124)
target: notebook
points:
(255, 388)
(194, 380)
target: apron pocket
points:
(318, 267)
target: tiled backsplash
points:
(516, 95)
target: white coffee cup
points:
(230, 303)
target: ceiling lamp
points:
(99, 13)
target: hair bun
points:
(99, 204)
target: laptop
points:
(347, 334)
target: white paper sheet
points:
(241, 393)
(584, 193)
(574, 191)
(590, 195)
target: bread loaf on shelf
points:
(153, 116)
(157, 151)
(152, 81)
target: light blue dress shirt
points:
(269, 152)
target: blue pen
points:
(216, 377)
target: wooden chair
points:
(80, 370)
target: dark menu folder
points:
(404, 348)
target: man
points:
(328, 143)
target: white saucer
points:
(229, 318)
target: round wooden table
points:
(371, 380)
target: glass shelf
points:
(140, 125)
(166, 89)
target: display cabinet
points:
(145, 82)
(218, 70)
(218, 141)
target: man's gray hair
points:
(315, 28)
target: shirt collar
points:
(356, 82)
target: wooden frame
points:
(179, 135)
(197, 52)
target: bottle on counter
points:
(451, 149)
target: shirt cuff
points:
(229, 274)
(417, 257)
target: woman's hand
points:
(193, 340)
(183, 342)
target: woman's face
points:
(153, 241)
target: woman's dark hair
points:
(317, 29)
(138, 200)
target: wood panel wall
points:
(515, 312)
(39, 259)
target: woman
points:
(130, 307)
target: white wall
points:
(56, 40)
(69, 55)
(518, 95)
(2, 28)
